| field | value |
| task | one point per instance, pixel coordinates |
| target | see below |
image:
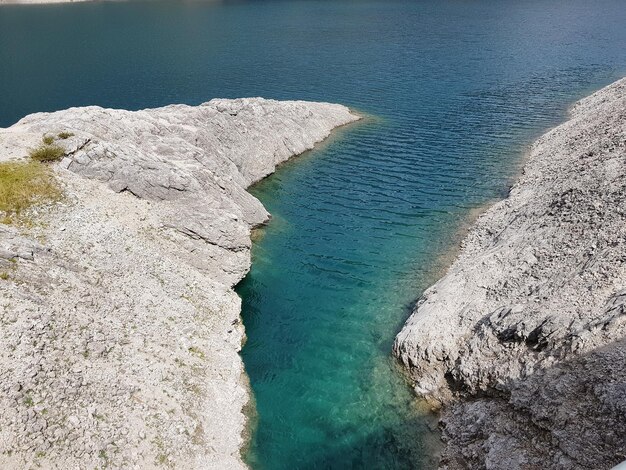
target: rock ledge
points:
(522, 339)
(119, 327)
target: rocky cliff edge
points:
(119, 327)
(522, 339)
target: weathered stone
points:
(509, 337)
(152, 234)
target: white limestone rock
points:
(538, 285)
(119, 326)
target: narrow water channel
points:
(456, 90)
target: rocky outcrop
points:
(119, 327)
(570, 415)
(522, 339)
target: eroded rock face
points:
(538, 287)
(571, 415)
(119, 327)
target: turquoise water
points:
(455, 90)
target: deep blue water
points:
(456, 90)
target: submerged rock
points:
(522, 339)
(119, 326)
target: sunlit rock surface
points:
(508, 339)
(119, 327)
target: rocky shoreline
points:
(120, 329)
(522, 341)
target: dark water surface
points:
(458, 90)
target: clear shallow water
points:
(457, 88)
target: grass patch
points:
(103, 455)
(24, 184)
(65, 135)
(4, 276)
(48, 139)
(197, 352)
(198, 435)
(47, 153)
(196, 390)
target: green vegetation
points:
(103, 455)
(197, 352)
(4, 276)
(65, 135)
(23, 184)
(47, 153)
(161, 458)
